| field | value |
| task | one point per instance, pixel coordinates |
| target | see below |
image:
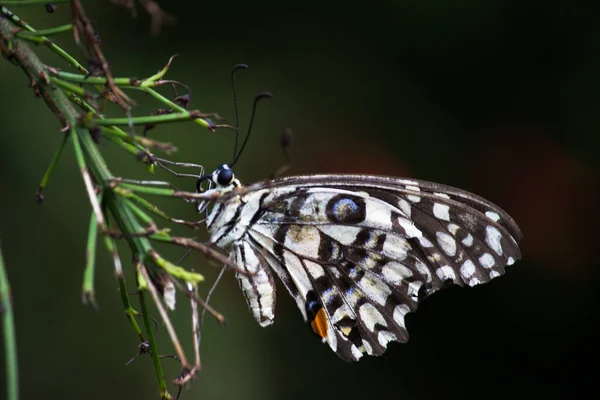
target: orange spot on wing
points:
(319, 325)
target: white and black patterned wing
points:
(257, 286)
(359, 252)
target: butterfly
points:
(356, 252)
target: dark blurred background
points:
(498, 97)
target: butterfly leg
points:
(145, 183)
(163, 162)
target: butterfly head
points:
(221, 178)
(224, 177)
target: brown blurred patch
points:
(372, 157)
(549, 192)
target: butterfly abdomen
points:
(228, 224)
(258, 286)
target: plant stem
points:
(162, 384)
(14, 18)
(46, 32)
(91, 164)
(50, 170)
(117, 211)
(10, 340)
(151, 119)
(88, 291)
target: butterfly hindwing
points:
(344, 304)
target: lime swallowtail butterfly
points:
(356, 252)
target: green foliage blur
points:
(497, 97)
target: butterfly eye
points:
(224, 176)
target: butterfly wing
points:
(359, 252)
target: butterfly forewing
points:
(359, 252)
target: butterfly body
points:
(357, 252)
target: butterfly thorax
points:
(223, 222)
(230, 216)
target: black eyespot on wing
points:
(346, 209)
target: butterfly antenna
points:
(235, 107)
(210, 292)
(182, 259)
(256, 100)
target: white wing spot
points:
(413, 289)
(443, 195)
(399, 312)
(423, 270)
(340, 313)
(453, 228)
(492, 238)
(468, 241)
(474, 281)
(487, 260)
(378, 213)
(294, 266)
(446, 242)
(494, 274)
(395, 272)
(425, 242)
(494, 216)
(445, 273)
(314, 269)
(376, 290)
(467, 269)
(510, 261)
(356, 352)
(342, 233)
(384, 337)
(367, 346)
(412, 197)
(405, 207)
(396, 247)
(441, 211)
(371, 316)
(410, 228)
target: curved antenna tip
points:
(259, 96)
(263, 95)
(237, 120)
(238, 66)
